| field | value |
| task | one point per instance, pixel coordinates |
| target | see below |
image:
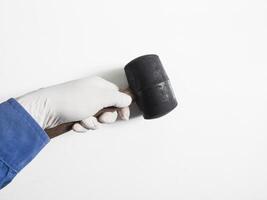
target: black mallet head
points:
(151, 86)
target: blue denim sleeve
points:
(21, 139)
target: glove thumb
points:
(119, 99)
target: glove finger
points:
(77, 127)
(90, 123)
(108, 117)
(124, 113)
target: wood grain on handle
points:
(63, 128)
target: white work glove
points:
(77, 100)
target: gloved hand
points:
(77, 100)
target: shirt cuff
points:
(21, 138)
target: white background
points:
(213, 146)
